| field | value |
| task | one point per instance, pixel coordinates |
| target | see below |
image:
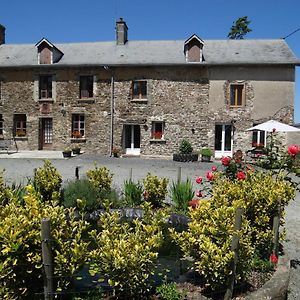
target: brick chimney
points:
(121, 30)
(2, 34)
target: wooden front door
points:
(46, 133)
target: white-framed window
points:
(139, 89)
(158, 130)
(78, 126)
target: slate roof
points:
(215, 52)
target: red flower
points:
(199, 194)
(210, 176)
(194, 203)
(214, 168)
(199, 179)
(240, 175)
(293, 149)
(225, 161)
(274, 130)
(273, 258)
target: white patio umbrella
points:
(270, 125)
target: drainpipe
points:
(112, 109)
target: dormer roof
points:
(48, 53)
(192, 37)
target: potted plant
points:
(185, 152)
(115, 152)
(76, 149)
(206, 154)
(67, 152)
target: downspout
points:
(112, 110)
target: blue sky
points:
(94, 20)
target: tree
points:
(239, 29)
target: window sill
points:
(79, 140)
(161, 141)
(46, 100)
(20, 138)
(86, 100)
(137, 100)
(236, 106)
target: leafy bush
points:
(168, 291)
(185, 147)
(101, 178)
(125, 253)
(155, 189)
(84, 190)
(133, 193)
(47, 181)
(20, 248)
(206, 152)
(181, 194)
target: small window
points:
(86, 87)
(236, 94)
(1, 125)
(20, 125)
(45, 87)
(78, 126)
(157, 131)
(139, 90)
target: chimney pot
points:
(2, 34)
(121, 31)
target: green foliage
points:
(208, 241)
(82, 190)
(206, 152)
(155, 189)
(47, 181)
(133, 193)
(20, 248)
(101, 178)
(239, 28)
(5, 193)
(181, 193)
(168, 291)
(185, 147)
(125, 253)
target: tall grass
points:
(181, 193)
(132, 193)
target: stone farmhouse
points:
(144, 97)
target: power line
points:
(291, 33)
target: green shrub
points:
(126, 253)
(206, 152)
(47, 181)
(185, 147)
(132, 193)
(155, 189)
(181, 194)
(168, 291)
(101, 178)
(21, 269)
(84, 190)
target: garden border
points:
(277, 287)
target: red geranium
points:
(240, 175)
(199, 194)
(210, 176)
(273, 258)
(214, 168)
(225, 161)
(293, 149)
(199, 179)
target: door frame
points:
(223, 152)
(132, 150)
(41, 143)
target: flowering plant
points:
(76, 134)
(157, 135)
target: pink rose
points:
(225, 161)
(199, 194)
(274, 130)
(240, 175)
(199, 179)
(293, 149)
(210, 176)
(214, 168)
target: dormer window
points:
(193, 49)
(47, 52)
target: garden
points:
(214, 242)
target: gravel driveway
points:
(19, 169)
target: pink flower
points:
(225, 161)
(273, 258)
(293, 149)
(214, 168)
(199, 179)
(240, 175)
(274, 130)
(145, 194)
(199, 194)
(210, 176)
